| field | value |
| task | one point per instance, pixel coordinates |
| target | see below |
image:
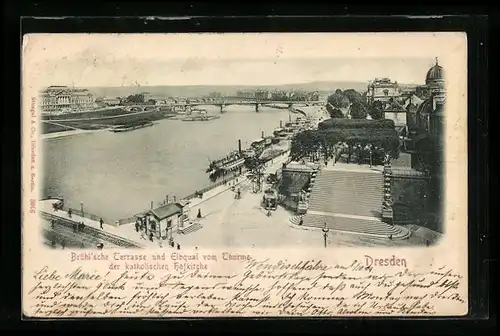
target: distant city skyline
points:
(111, 60)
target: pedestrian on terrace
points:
(69, 213)
(101, 222)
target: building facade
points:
(63, 99)
(428, 139)
(382, 89)
(163, 221)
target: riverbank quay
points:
(227, 218)
(63, 134)
(212, 191)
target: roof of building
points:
(435, 73)
(413, 99)
(393, 106)
(425, 107)
(57, 90)
(166, 210)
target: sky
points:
(88, 60)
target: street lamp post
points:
(325, 233)
(371, 150)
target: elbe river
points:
(117, 175)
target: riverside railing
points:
(85, 214)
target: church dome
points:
(435, 74)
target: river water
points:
(117, 175)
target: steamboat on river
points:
(131, 127)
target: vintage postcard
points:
(249, 175)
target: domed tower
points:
(436, 113)
(435, 78)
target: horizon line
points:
(227, 85)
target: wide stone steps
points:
(348, 192)
(191, 228)
(344, 198)
(356, 225)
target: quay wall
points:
(114, 239)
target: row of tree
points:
(357, 104)
(356, 123)
(307, 143)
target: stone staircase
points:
(195, 226)
(348, 192)
(349, 201)
(356, 225)
(296, 219)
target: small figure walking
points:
(427, 243)
(172, 244)
(137, 227)
(151, 237)
(178, 246)
(199, 213)
(101, 222)
(63, 244)
(69, 213)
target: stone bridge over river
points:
(222, 103)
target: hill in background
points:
(228, 90)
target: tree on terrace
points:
(358, 111)
(376, 110)
(334, 112)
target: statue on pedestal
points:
(387, 159)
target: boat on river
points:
(201, 118)
(232, 161)
(127, 128)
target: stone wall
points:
(411, 201)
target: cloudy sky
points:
(230, 59)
